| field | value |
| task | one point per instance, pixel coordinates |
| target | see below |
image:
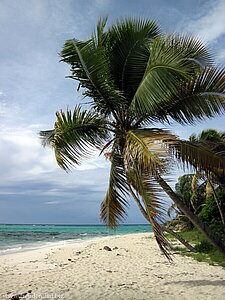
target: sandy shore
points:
(134, 269)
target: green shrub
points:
(210, 212)
(204, 247)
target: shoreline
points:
(19, 238)
(133, 269)
(44, 245)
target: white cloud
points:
(52, 202)
(26, 164)
(25, 152)
(209, 23)
(95, 162)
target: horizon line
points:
(63, 224)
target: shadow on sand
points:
(198, 282)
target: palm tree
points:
(215, 141)
(211, 137)
(135, 76)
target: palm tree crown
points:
(134, 76)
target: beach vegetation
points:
(203, 192)
(204, 251)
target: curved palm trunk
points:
(145, 215)
(192, 217)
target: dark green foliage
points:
(208, 135)
(184, 190)
(209, 213)
(219, 230)
(204, 247)
(214, 141)
(205, 207)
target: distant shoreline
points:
(51, 224)
(17, 238)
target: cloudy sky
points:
(33, 86)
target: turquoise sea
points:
(15, 238)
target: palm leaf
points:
(47, 137)
(201, 97)
(100, 35)
(113, 207)
(75, 136)
(128, 49)
(147, 193)
(141, 164)
(196, 155)
(90, 66)
(212, 139)
(175, 84)
(192, 50)
(145, 146)
(166, 69)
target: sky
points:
(33, 86)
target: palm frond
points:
(208, 190)
(90, 67)
(171, 210)
(154, 134)
(177, 85)
(47, 137)
(141, 164)
(147, 192)
(113, 207)
(128, 48)
(144, 146)
(165, 71)
(209, 135)
(201, 97)
(198, 156)
(192, 50)
(75, 136)
(99, 36)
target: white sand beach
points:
(134, 269)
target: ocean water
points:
(15, 238)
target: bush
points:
(219, 230)
(204, 247)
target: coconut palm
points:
(208, 171)
(215, 141)
(211, 137)
(135, 76)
